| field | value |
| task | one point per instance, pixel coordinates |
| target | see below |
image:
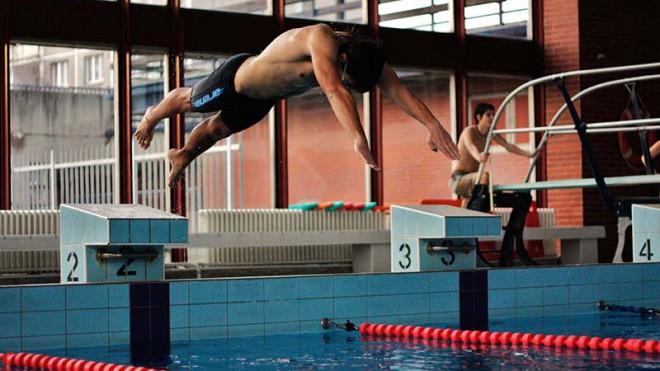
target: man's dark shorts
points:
(216, 92)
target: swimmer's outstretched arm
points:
(439, 138)
(322, 45)
(512, 147)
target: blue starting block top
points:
(440, 221)
(110, 224)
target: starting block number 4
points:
(646, 233)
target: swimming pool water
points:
(337, 349)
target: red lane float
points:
(516, 338)
(45, 362)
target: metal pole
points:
(5, 128)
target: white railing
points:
(41, 181)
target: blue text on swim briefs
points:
(208, 97)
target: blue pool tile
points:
(10, 344)
(119, 231)
(10, 325)
(503, 313)
(202, 315)
(181, 334)
(350, 308)
(179, 230)
(443, 281)
(651, 303)
(350, 285)
(140, 231)
(529, 277)
(452, 227)
(501, 278)
(33, 343)
(413, 283)
(555, 276)
(607, 292)
(413, 319)
(180, 293)
(583, 308)
(43, 323)
(556, 310)
(245, 290)
(413, 304)
(159, 231)
(282, 311)
(282, 328)
(650, 272)
(314, 309)
(606, 273)
(630, 272)
(246, 330)
(555, 295)
(120, 319)
(86, 321)
(445, 319)
(529, 297)
(494, 227)
(87, 340)
(245, 313)
(86, 296)
(118, 295)
(444, 302)
(581, 275)
(42, 298)
(582, 294)
(630, 290)
(651, 290)
(500, 299)
(311, 327)
(382, 284)
(381, 306)
(522, 312)
(204, 333)
(179, 316)
(119, 338)
(316, 287)
(212, 291)
(282, 288)
(10, 300)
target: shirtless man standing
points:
(246, 86)
(471, 144)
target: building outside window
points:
(59, 74)
(93, 69)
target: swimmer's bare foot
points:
(145, 131)
(178, 163)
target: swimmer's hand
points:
(362, 148)
(483, 157)
(440, 140)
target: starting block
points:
(104, 243)
(438, 237)
(646, 233)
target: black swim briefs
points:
(216, 92)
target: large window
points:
(322, 163)
(149, 166)
(353, 11)
(504, 167)
(62, 138)
(239, 6)
(411, 170)
(425, 15)
(501, 18)
(236, 172)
